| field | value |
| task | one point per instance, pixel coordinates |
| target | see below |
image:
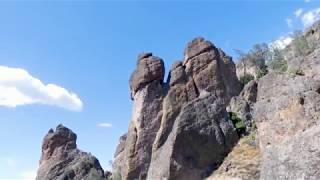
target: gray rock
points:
(146, 118)
(297, 158)
(197, 46)
(286, 105)
(205, 76)
(61, 160)
(149, 68)
(186, 111)
(242, 105)
(201, 137)
(287, 114)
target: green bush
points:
(238, 123)
(246, 78)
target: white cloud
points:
(308, 18)
(289, 22)
(307, 1)
(105, 125)
(282, 42)
(298, 12)
(18, 87)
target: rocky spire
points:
(186, 110)
(61, 159)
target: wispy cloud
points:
(309, 17)
(104, 125)
(298, 12)
(289, 22)
(282, 42)
(307, 1)
(18, 87)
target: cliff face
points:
(188, 127)
(61, 160)
(180, 128)
(288, 115)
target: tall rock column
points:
(195, 133)
(147, 92)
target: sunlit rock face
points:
(61, 160)
(287, 115)
(186, 111)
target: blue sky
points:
(88, 51)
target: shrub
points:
(279, 65)
(300, 44)
(238, 123)
(246, 78)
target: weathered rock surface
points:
(147, 90)
(242, 163)
(186, 111)
(200, 138)
(286, 105)
(248, 67)
(149, 68)
(242, 105)
(297, 158)
(307, 65)
(287, 114)
(61, 160)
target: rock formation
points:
(181, 128)
(186, 111)
(242, 105)
(287, 113)
(242, 163)
(61, 160)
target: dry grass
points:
(242, 163)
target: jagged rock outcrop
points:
(61, 160)
(147, 90)
(242, 105)
(186, 111)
